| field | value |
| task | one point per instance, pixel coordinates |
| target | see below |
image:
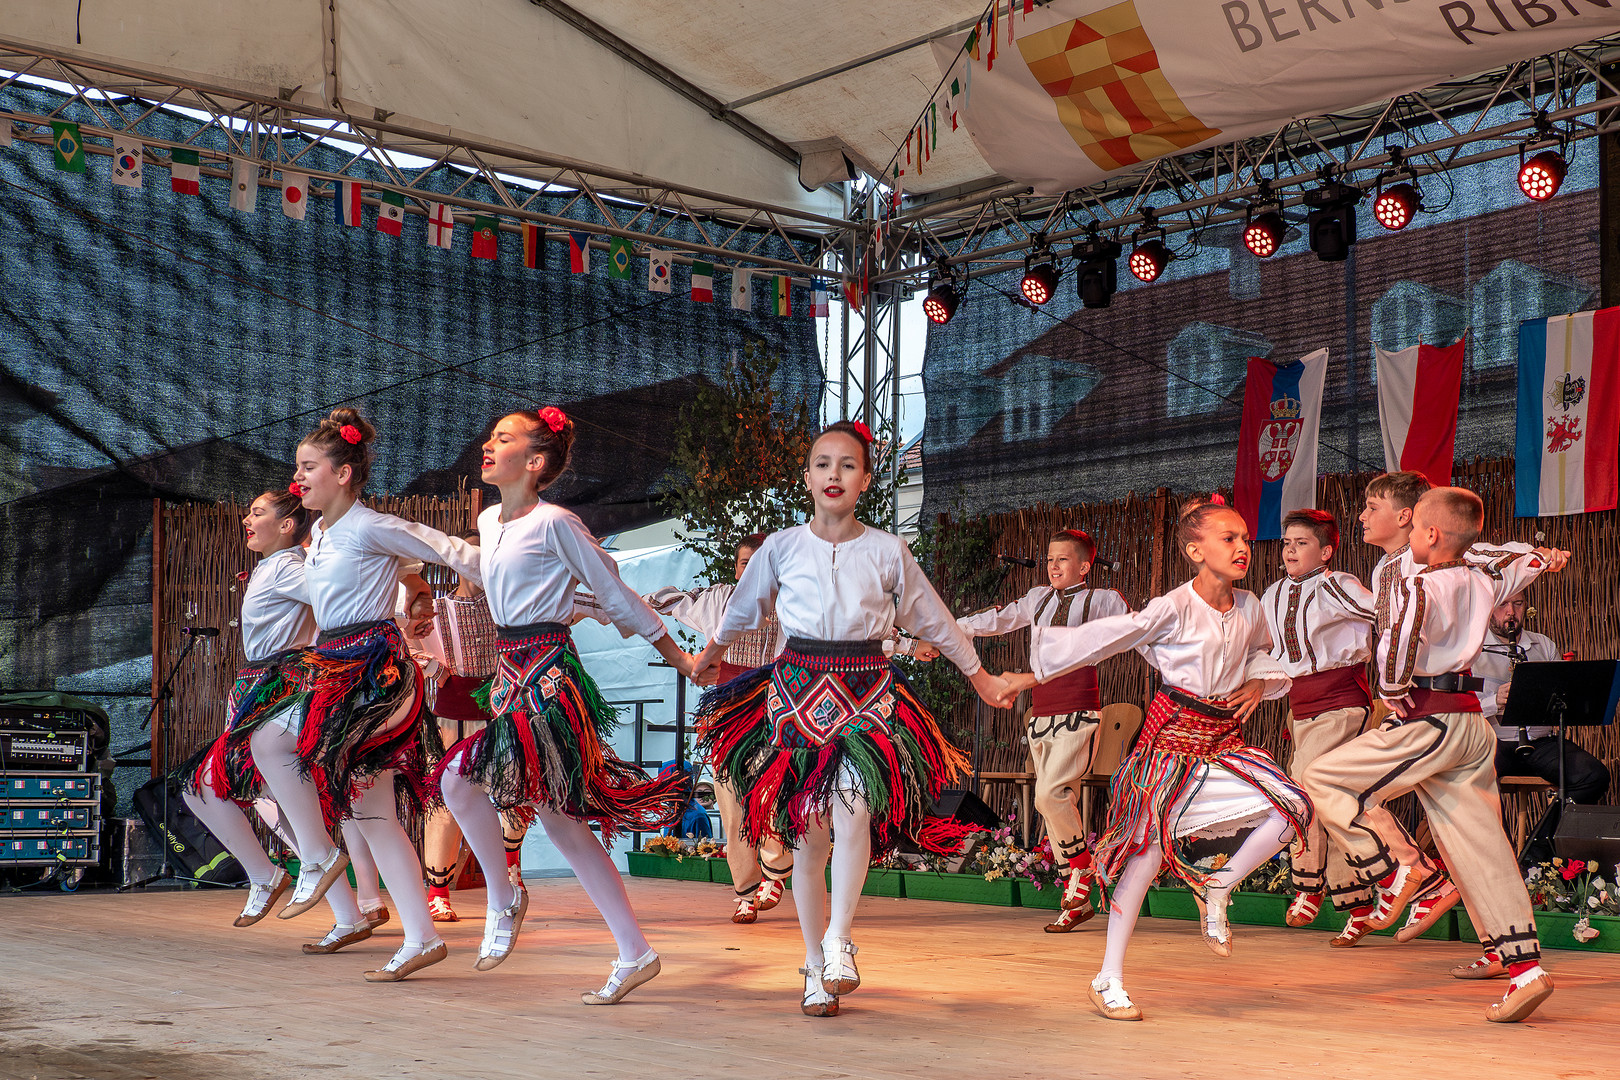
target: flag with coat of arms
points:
(1567, 440)
(1277, 440)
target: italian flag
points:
(183, 174)
(782, 295)
(703, 282)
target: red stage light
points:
(1396, 206)
(1541, 176)
(1039, 283)
(1264, 235)
(940, 303)
(1149, 259)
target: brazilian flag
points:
(69, 147)
(619, 259)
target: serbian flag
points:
(1567, 449)
(346, 205)
(1417, 408)
(1276, 460)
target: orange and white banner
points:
(1090, 87)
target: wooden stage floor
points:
(161, 985)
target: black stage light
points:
(1148, 260)
(1331, 224)
(1097, 273)
(1040, 282)
(1396, 206)
(1541, 176)
(941, 302)
(1264, 235)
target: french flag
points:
(1417, 408)
(1276, 461)
(1567, 444)
(346, 203)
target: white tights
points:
(852, 821)
(1269, 837)
(481, 825)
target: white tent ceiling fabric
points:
(510, 72)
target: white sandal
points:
(1112, 1000)
(1219, 936)
(341, 936)
(313, 881)
(412, 956)
(261, 897)
(498, 938)
(627, 975)
(838, 973)
(818, 1001)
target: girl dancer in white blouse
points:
(1190, 773)
(366, 731)
(831, 731)
(276, 622)
(545, 754)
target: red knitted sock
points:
(1081, 861)
(1520, 967)
(442, 891)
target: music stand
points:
(1564, 693)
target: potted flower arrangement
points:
(669, 857)
(1577, 905)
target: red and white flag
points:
(1567, 447)
(441, 225)
(1418, 390)
(294, 194)
(346, 204)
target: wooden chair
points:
(1521, 796)
(1026, 797)
(1115, 733)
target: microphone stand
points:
(166, 871)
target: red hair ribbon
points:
(554, 418)
(351, 434)
(863, 431)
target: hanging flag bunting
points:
(347, 208)
(818, 299)
(127, 154)
(441, 225)
(485, 244)
(69, 150)
(658, 270)
(1277, 440)
(973, 42)
(619, 254)
(1417, 408)
(294, 194)
(183, 173)
(742, 290)
(5, 132)
(579, 253)
(534, 246)
(391, 213)
(1567, 452)
(990, 57)
(782, 295)
(703, 282)
(245, 185)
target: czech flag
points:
(1417, 408)
(1276, 461)
(1567, 444)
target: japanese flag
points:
(294, 194)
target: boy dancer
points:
(1063, 716)
(1436, 742)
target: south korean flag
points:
(126, 161)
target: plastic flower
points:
(351, 434)
(553, 418)
(1573, 870)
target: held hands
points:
(1246, 698)
(1556, 558)
(1016, 682)
(924, 651)
(705, 669)
(992, 688)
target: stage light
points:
(941, 303)
(1097, 272)
(1040, 282)
(1331, 224)
(1148, 260)
(1264, 235)
(1541, 176)
(1396, 206)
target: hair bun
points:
(347, 418)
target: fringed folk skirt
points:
(547, 745)
(829, 717)
(1190, 774)
(225, 766)
(366, 715)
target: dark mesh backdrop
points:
(1023, 408)
(157, 344)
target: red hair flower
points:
(553, 418)
(296, 488)
(1218, 499)
(243, 575)
(351, 434)
(863, 431)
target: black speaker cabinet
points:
(1589, 832)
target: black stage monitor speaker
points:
(1589, 832)
(192, 848)
(965, 808)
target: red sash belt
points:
(1336, 688)
(1175, 727)
(1075, 692)
(1434, 702)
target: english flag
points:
(294, 194)
(441, 225)
(1277, 440)
(1567, 449)
(1417, 408)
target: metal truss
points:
(527, 186)
(1556, 99)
